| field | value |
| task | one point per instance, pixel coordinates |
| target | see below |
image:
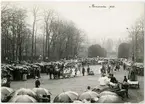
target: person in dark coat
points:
(118, 66)
(47, 69)
(113, 79)
(88, 70)
(125, 79)
(103, 69)
(83, 71)
(125, 86)
(132, 74)
(108, 69)
(34, 72)
(58, 72)
(37, 82)
(51, 70)
(37, 72)
(83, 63)
(7, 80)
(62, 67)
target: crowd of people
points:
(108, 78)
(57, 70)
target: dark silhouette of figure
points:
(88, 70)
(88, 88)
(125, 79)
(125, 86)
(83, 71)
(51, 70)
(37, 83)
(113, 79)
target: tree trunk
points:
(35, 45)
(46, 46)
(43, 47)
(32, 52)
(13, 44)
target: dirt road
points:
(80, 83)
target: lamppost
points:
(133, 45)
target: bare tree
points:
(61, 38)
(137, 35)
(48, 17)
(35, 12)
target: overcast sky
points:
(98, 23)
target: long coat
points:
(83, 70)
(37, 83)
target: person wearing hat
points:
(83, 71)
(113, 79)
(125, 86)
(88, 70)
(103, 80)
(88, 88)
(37, 82)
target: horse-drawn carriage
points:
(139, 69)
(67, 73)
(132, 78)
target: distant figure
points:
(125, 85)
(117, 66)
(88, 88)
(51, 70)
(47, 68)
(83, 71)
(88, 70)
(102, 69)
(113, 79)
(103, 80)
(132, 75)
(73, 72)
(83, 63)
(108, 69)
(37, 82)
(125, 79)
(8, 80)
(37, 72)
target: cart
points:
(133, 84)
(67, 73)
(132, 79)
(91, 73)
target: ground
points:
(80, 83)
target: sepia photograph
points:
(72, 52)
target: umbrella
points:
(24, 91)
(23, 99)
(88, 95)
(66, 97)
(41, 91)
(5, 91)
(107, 93)
(127, 103)
(109, 99)
(100, 88)
(142, 102)
(77, 101)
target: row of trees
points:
(123, 50)
(58, 38)
(135, 47)
(96, 50)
